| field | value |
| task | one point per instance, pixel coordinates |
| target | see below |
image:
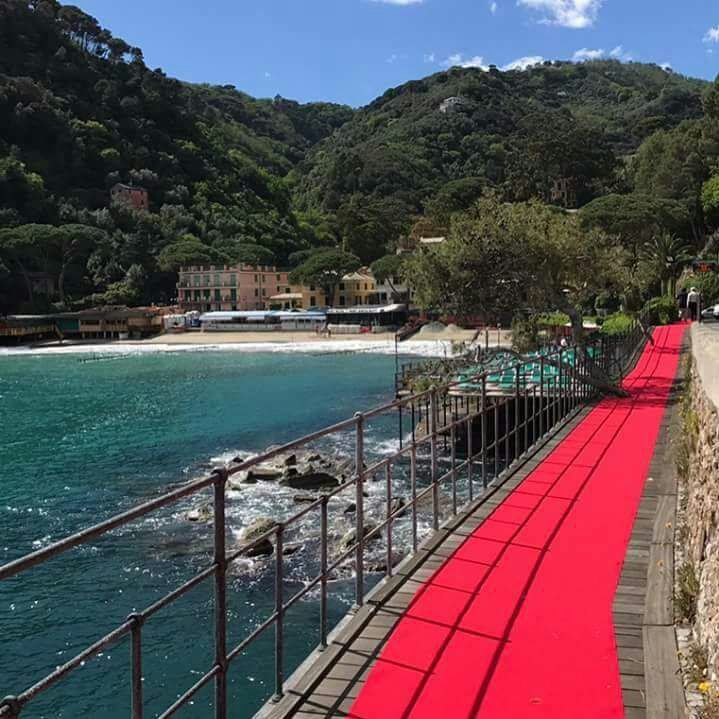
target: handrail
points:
(445, 418)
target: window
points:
(342, 301)
(264, 292)
(313, 302)
(233, 280)
(217, 280)
(366, 286)
(279, 278)
(288, 290)
(217, 296)
(342, 285)
(312, 288)
(256, 278)
(257, 292)
(197, 295)
(207, 281)
(196, 280)
(233, 294)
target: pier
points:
(518, 507)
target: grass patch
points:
(687, 593)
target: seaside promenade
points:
(550, 598)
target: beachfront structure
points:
(353, 320)
(230, 289)
(262, 321)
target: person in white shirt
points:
(693, 303)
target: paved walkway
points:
(510, 615)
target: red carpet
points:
(517, 623)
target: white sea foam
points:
(120, 350)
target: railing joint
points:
(12, 703)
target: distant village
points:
(238, 297)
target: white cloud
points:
(522, 63)
(586, 54)
(620, 54)
(712, 34)
(458, 60)
(430, 57)
(575, 14)
(392, 58)
(666, 67)
(493, 8)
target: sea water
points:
(86, 436)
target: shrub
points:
(525, 334)
(661, 311)
(617, 324)
(687, 594)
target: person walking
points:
(693, 302)
(682, 303)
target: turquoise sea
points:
(83, 437)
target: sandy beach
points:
(216, 338)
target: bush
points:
(617, 324)
(552, 319)
(661, 311)
(524, 334)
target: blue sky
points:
(353, 50)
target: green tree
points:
(189, 250)
(663, 258)
(388, 269)
(326, 270)
(503, 257)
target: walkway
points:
(510, 615)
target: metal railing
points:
(445, 420)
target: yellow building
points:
(356, 288)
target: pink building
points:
(135, 197)
(239, 288)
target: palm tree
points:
(665, 256)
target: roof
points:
(366, 309)
(358, 276)
(431, 240)
(258, 315)
(287, 296)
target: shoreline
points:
(438, 344)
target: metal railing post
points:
(323, 571)
(13, 705)
(388, 472)
(413, 489)
(541, 396)
(517, 424)
(433, 458)
(136, 665)
(280, 614)
(220, 595)
(560, 380)
(484, 431)
(470, 458)
(453, 471)
(359, 501)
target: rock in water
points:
(256, 529)
(397, 504)
(310, 480)
(203, 513)
(350, 537)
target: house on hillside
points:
(135, 197)
(564, 192)
(451, 104)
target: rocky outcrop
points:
(305, 470)
(253, 531)
(698, 463)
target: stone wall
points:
(700, 533)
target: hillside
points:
(230, 177)
(515, 131)
(80, 111)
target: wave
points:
(123, 350)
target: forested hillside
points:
(232, 178)
(80, 111)
(514, 131)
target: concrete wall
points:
(702, 488)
